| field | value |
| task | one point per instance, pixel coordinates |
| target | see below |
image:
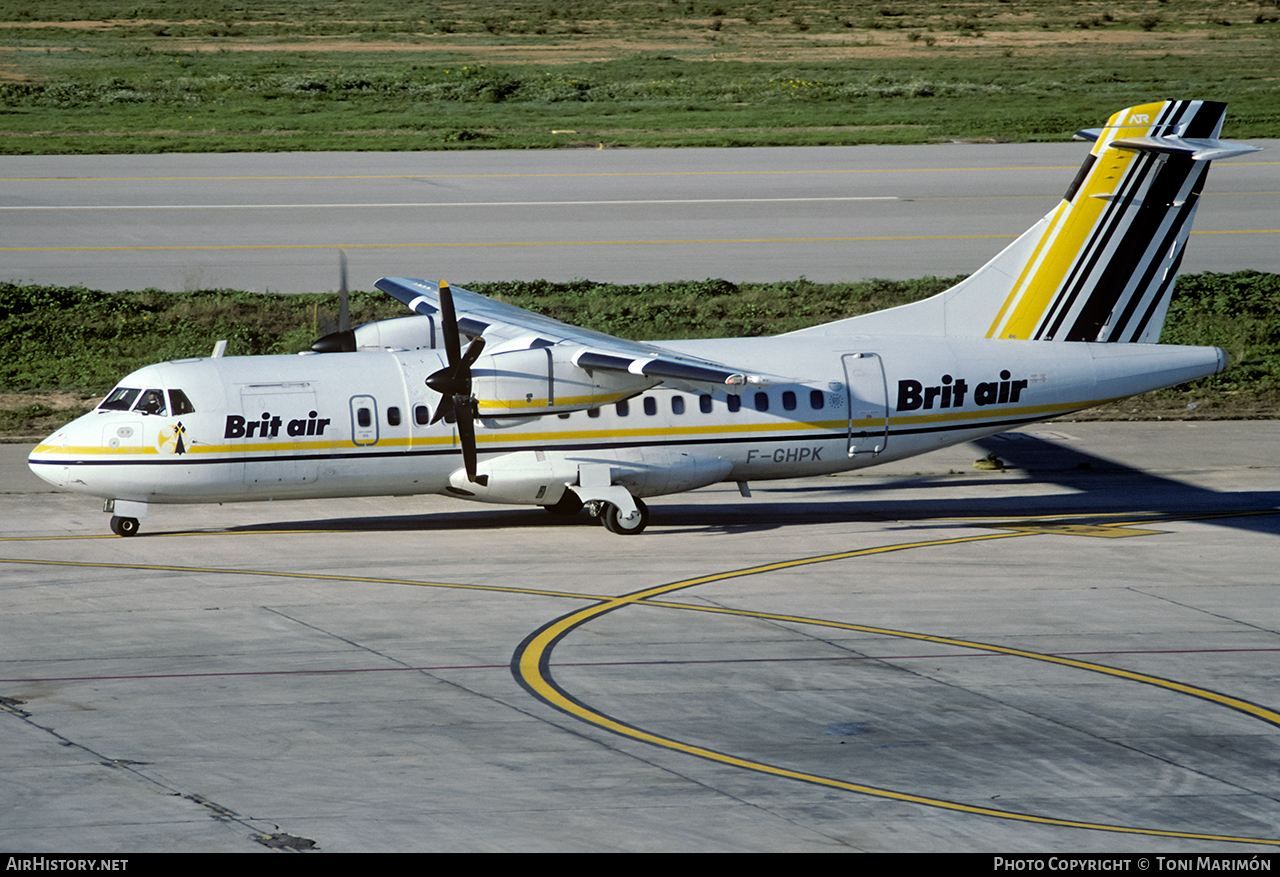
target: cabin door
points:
(868, 403)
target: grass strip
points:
(52, 366)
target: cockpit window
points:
(152, 402)
(121, 399)
(179, 403)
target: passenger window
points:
(704, 404)
(817, 399)
(762, 401)
(393, 416)
(650, 405)
(623, 408)
(593, 412)
(789, 400)
(735, 402)
(421, 415)
(121, 399)
(179, 403)
(152, 402)
(363, 417)
(677, 404)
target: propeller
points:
(453, 383)
(343, 340)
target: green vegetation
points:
(203, 75)
(115, 333)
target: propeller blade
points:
(453, 383)
(343, 340)
(344, 304)
(444, 411)
(449, 323)
(463, 408)
(474, 349)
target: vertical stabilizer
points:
(1103, 266)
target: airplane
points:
(537, 412)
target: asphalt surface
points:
(273, 222)
(1074, 654)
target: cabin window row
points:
(760, 401)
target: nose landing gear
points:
(124, 515)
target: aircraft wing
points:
(507, 327)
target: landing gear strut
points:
(124, 526)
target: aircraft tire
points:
(612, 519)
(124, 526)
(568, 504)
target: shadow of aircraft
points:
(1100, 491)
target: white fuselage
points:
(358, 424)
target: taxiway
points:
(272, 222)
(1073, 654)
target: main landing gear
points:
(124, 526)
(615, 522)
(613, 518)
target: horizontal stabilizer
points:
(1198, 148)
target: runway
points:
(1076, 654)
(273, 222)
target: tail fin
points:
(1100, 266)
(1104, 266)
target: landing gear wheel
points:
(613, 521)
(124, 526)
(568, 504)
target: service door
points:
(868, 403)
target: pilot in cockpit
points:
(152, 402)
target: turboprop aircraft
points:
(534, 411)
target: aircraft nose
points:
(47, 469)
(54, 458)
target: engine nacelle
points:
(521, 478)
(541, 477)
(543, 380)
(398, 333)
